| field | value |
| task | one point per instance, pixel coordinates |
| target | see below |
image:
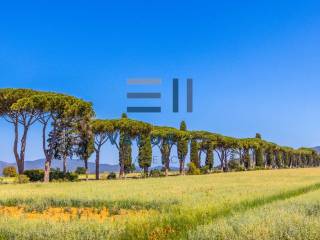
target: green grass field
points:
(271, 204)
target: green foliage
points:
(72, 177)
(204, 170)
(35, 175)
(259, 157)
(270, 158)
(193, 170)
(165, 149)
(9, 171)
(246, 159)
(104, 127)
(156, 173)
(62, 139)
(111, 176)
(286, 159)
(234, 165)
(125, 152)
(258, 135)
(209, 158)
(194, 157)
(279, 159)
(165, 138)
(132, 127)
(10, 96)
(144, 174)
(85, 143)
(145, 152)
(80, 170)
(58, 175)
(130, 169)
(22, 179)
(183, 126)
(182, 145)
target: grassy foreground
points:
(297, 218)
(196, 207)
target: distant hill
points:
(71, 165)
(317, 149)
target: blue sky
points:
(255, 64)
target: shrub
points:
(112, 175)
(130, 169)
(9, 171)
(22, 179)
(58, 175)
(192, 169)
(104, 176)
(204, 170)
(217, 171)
(234, 165)
(72, 177)
(259, 168)
(35, 175)
(144, 174)
(156, 173)
(80, 170)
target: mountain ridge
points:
(72, 165)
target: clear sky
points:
(255, 64)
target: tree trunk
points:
(47, 167)
(166, 171)
(145, 169)
(122, 156)
(181, 167)
(86, 167)
(98, 163)
(15, 146)
(19, 157)
(64, 164)
(220, 156)
(165, 162)
(223, 161)
(20, 167)
(199, 159)
(226, 167)
(121, 174)
(23, 146)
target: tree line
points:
(69, 128)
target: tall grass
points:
(294, 219)
(45, 203)
(179, 204)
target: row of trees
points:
(64, 120)
(248, 152)
(69, 128)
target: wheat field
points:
(269, 204)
